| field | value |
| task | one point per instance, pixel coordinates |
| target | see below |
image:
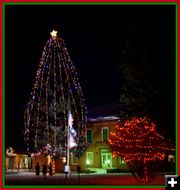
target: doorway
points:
(106, 158)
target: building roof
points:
(108, 112)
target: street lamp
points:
(87, 164)
(64, 159)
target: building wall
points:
(97, 147)
(41, 159)
(16, 161)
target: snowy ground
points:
(118, 179)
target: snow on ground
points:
(118, 179)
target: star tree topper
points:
(53, 33)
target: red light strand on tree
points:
(137, 139)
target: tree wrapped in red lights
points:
(55, 92)
(140, 146)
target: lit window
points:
(104, 134)
(89, 157)
(74, 160)
(89, 136)
(121, 160)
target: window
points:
(74, 160)
(121, 160)
(89, 135)
(104, 134)
(89, 158)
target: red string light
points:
(137, 139)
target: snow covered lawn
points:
(28, 178)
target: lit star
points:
(53, 33)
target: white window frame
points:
(91, 134)
(72, 160)
(102, 133)
(87, 157)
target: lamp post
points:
(87, 165)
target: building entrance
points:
(106, 158)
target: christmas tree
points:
(55, 93)
(140, 146)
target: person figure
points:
(44, 170)
(50, 169)
(37, 168)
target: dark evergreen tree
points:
(143, 87)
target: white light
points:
(53, 33)
(87, 162)
(64, 159)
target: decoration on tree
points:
(56, 89)
(53, 33)
(138, 143)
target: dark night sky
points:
(95, 37)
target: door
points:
(106, 159)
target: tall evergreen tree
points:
(56, 91)
(143, 86)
